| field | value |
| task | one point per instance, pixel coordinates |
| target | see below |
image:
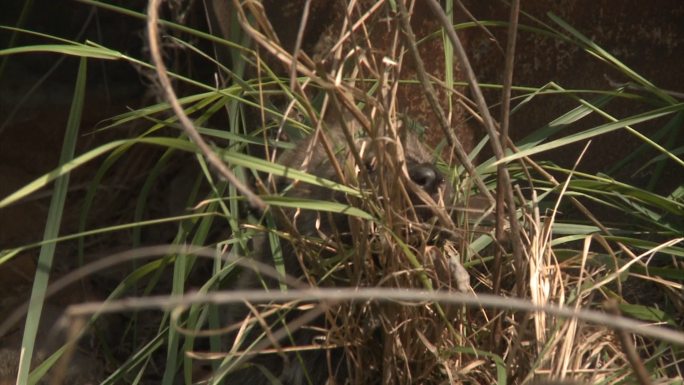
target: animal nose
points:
(426, 176)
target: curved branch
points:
(188, 127)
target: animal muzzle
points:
(427, 177)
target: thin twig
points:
(413, 296)
(298, 43)
(434, 103)
(313, 294)
(480, 26)
(505, 120)
(488, 124)
(188, 127)
(306, 66)
(111, 261)
(501, 184)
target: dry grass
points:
(528, 250)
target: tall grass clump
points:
(219, 256)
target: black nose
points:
(426, 176)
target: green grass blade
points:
(233, 158)
(596, 131)
(21, 21)
(166, 24)
(238, 159)
(72, 50)
(317, 205)
(52, 228)
(602, 54)
(38, 34)
(64, 169)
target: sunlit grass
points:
(588, 238)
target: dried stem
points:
(434, 103)
(188, 127)
(490, 128)
(502, 184)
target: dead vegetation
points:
(313, 175)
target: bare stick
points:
(503, 140)
(417, 297)
(488, 124)
(298, 43)
(190, 130)
(434, 103)
(111, 261)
